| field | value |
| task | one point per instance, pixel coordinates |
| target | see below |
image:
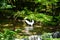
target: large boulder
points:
(56, 34)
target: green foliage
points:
(58, 17)
(46, 1)
(4, 4)
(47, 36)
(22, 13)
(34, 15)
(40, 17)
(36, 11)
(7, 35)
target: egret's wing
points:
(32, 21)
(27, 21)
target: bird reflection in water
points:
(27, 28)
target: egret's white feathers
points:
(29, 23)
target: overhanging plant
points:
(7, 35)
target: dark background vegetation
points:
(45, 13)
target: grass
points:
(56, 39)
(52, 39)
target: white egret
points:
(28, 22)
